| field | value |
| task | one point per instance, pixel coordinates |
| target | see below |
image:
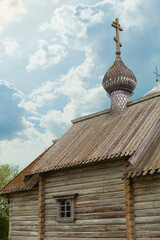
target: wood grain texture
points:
(147, 207)
(100, 204)
(24, 215)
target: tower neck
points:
(119, 100)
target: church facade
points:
(101, 179)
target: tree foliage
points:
(7, 173)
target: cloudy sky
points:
(53, 56)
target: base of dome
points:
(119, 100)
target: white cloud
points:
(11, 46)
(127, 10)
(72, 22)
(46, 56)
(39, 97)
(10, 11)
(66, 23)
(44, 26)
(91, 15)
(26, 146)
(81, 96)
(16, 93)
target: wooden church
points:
(101, 179)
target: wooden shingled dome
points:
(119, 77)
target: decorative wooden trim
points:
(69, 195)
(41, 207)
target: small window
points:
(66, 207)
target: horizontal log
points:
(115, 188)
(88, 169)
(25, 213)
(107, 234)
(25, 198)
(146, 184)
(105, 202)
(24, 233)
(150, 219)
(82, 238)
(146, 191)
(116, 221)
(24, 223)
(92, 228)
(24, 228)
(24, 218)
(147, 227)
(86, 187)
(99, 177)
(147, 198)
(148, 234)
(20, 238)
(100, 215)
(146, 178)
(24, 203)
(107, 195)
(25, 193)
(141, 238)
(147, 212)
(30, 208)
(147, 205)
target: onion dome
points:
(119, 81)
(119, 77)
(156, 87)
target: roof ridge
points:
(92, 115)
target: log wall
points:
(100, 205)
(147, 207)
(24, 216)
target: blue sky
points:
(53, 56)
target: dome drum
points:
(119, 100)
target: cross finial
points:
(118, 28)
(157, 75)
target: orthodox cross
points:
(157, 75)
(118, 28)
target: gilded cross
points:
(157, 75)
(118, 28)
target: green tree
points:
(7, 173)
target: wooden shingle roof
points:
(102, 136)
(147, 157)
(98, 137)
